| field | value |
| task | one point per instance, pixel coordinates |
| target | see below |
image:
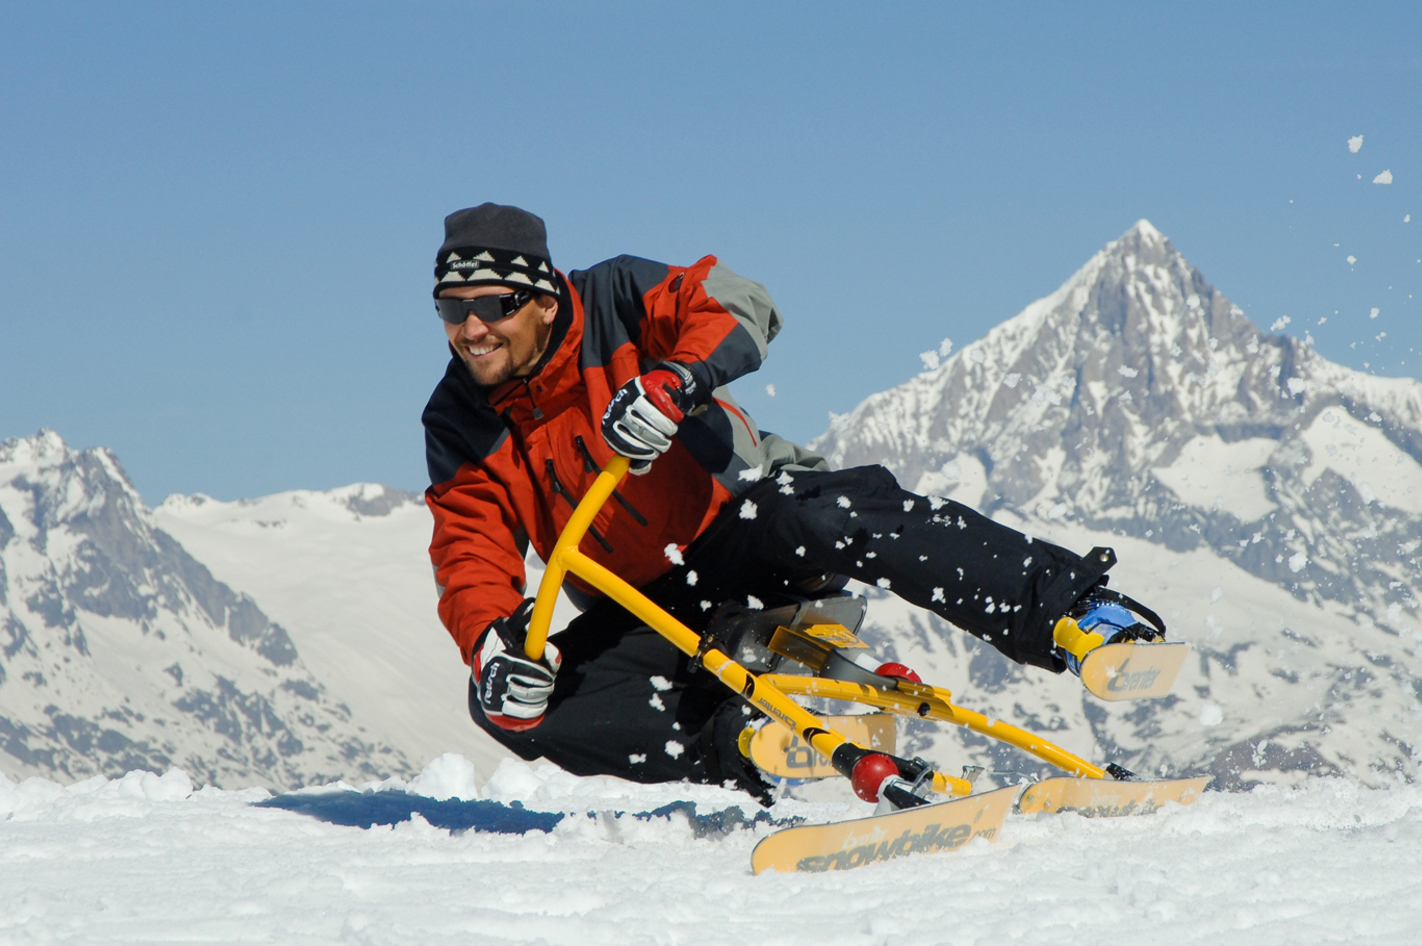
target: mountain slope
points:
(120, 651)
(1137, 406)
(347, 572)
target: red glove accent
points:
(664, 390)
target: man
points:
(551, 374)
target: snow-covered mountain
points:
(347, 573)
(119, 650)
(1266, 501)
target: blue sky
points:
(218, 221)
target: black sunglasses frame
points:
(486, 308)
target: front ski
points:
(779, 752)
(945, 826)
(1108, 798)
(1135, 670)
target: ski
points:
(779, 752)
(1132, 671)
(1107, 798)
(945, 826)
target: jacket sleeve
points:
(477, 547)
(716, 323)
(475, 552)
(704, 316)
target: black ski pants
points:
(626, 702)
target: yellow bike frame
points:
(769, 692)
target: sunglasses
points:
(487, 308)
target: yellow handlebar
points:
(573, 533)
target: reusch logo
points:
(1124, 682)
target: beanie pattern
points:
(481, 266)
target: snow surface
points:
(143, 859)
(1214, 474)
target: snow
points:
(138, 859)
(1384, 178)
(961, 478)
(1363, 456)
(1355, 143)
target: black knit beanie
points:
(493, 245)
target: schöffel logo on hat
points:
(477, 265)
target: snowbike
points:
(811, 649)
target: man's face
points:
(508, 348)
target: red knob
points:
(869, 773)
(898, 670)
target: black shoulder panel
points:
(460, 426)
(612, 294)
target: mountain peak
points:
(1138, 406)
(1144, 231)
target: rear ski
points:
(1108, 798)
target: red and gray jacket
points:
(509, 463)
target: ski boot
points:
(1100, 617)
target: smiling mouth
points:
(477, 351)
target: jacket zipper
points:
(528, 391)
(560, 490)
(590, 466)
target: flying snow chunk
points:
(754, 603)
(674, 748)
(691, 578)
(1192, 301)
(753, 474)
(1352, 260)
(883, 583)
(945, 348)
(770, 390)
(1297, 561)
(747, 510)
(1012, 379)
(673, 554)
(930, 360)
(1281, 321)
(637, 758)
(1373, 313)
(660, 683)
(1384, 178)
(1127, 371)
(1297, 386)
(1211, 714)
(1355, 143)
